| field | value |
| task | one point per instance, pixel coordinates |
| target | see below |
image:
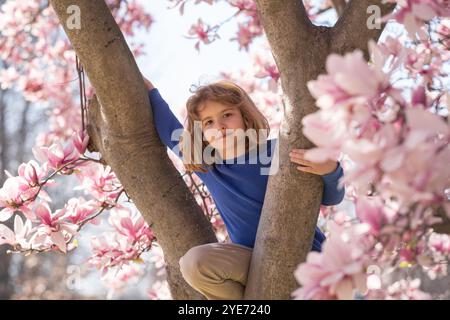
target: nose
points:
(224, 131)
(221, 127)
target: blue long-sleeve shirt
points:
(238, 189)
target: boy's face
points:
(220, 122)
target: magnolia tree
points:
(380, 108)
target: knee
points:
(191, 263)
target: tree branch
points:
(351, 30)
(444, 226)
(339, 6)
(288, 18)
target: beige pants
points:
(217, 270)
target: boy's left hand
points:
(320, 168)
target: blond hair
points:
(227, 93)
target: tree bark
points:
(286, 227)
(121, 129)
(339, 6)
(351, 31)
(22, 134)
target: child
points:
(219, 270)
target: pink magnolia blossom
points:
(131, 226)
(13, 197)
(248, 28)
(243, 4)
(373, 213)
(403, 153)
(131, 237)
(338, 270)
(327, 131)
(33, 173)
(100, 182)
(406, 289)
(80, 140)
(349, 81)
(78, 209)
(204, 33)
(56, 155)
(18, 237)
(160, 290)
(245, 36)
(268, 69)
(117, 280)
(54, 226)
(440, 243)
(414, 13)
(112, 250)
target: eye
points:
(207, 123)
(226, 115)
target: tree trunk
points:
(339, 6)
(121, 129)
(300, 49)
(22, 133)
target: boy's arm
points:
(167, 125)
(331, 194)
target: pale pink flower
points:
(414, 13)
(349, 81)
(111, 249)
(338, 270)
(56, 155)
(80, 140)
(100, 182)
(13, 197)
(406, 289)
(373, 213)
(78, 209)
(204, 33)
(33, 173)
(244, 36)
(132, 226)
(440, 243)
(18, 237)
(54, 226)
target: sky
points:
(171, 61)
